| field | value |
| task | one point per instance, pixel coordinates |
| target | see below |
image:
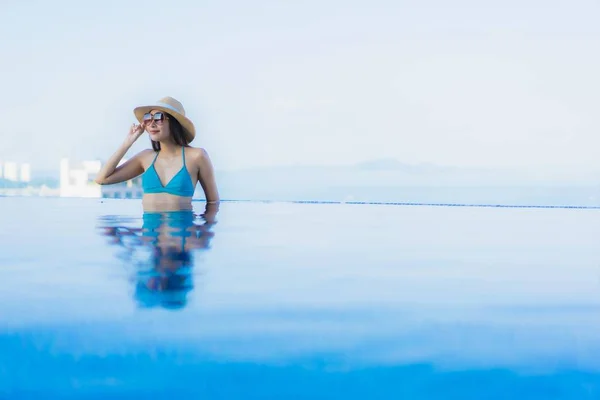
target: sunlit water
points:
(282, 300)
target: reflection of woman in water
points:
(172, 168)
(165, 276)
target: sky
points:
(274, 83)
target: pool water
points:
(260, 300)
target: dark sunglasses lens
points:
(158, 116)
(147, 117)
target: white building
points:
(15, 172)
(11, 171)
(25, 173)
(77, 180)
(131, 189)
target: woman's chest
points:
(168, 170)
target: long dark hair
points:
(176, 133)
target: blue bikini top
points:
(179, 185)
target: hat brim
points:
(188, 126)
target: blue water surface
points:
(311, 301)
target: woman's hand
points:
(111, 172)
(135, 132)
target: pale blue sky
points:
(505, 83)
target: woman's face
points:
(157, 125)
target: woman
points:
(172, 168)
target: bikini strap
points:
(155, 157)
(183, 154)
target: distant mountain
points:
(384, 163)
(390, 171)
(48, 182)
(6, 184)
(394, 164)
(36, 182)
(390, 180)
(384, 172)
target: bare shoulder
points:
(199, 155)
(206, 173)
(145, 156)
(146, 153)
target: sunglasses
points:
(158, 117)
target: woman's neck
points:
(169, 148)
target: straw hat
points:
(172, 107)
